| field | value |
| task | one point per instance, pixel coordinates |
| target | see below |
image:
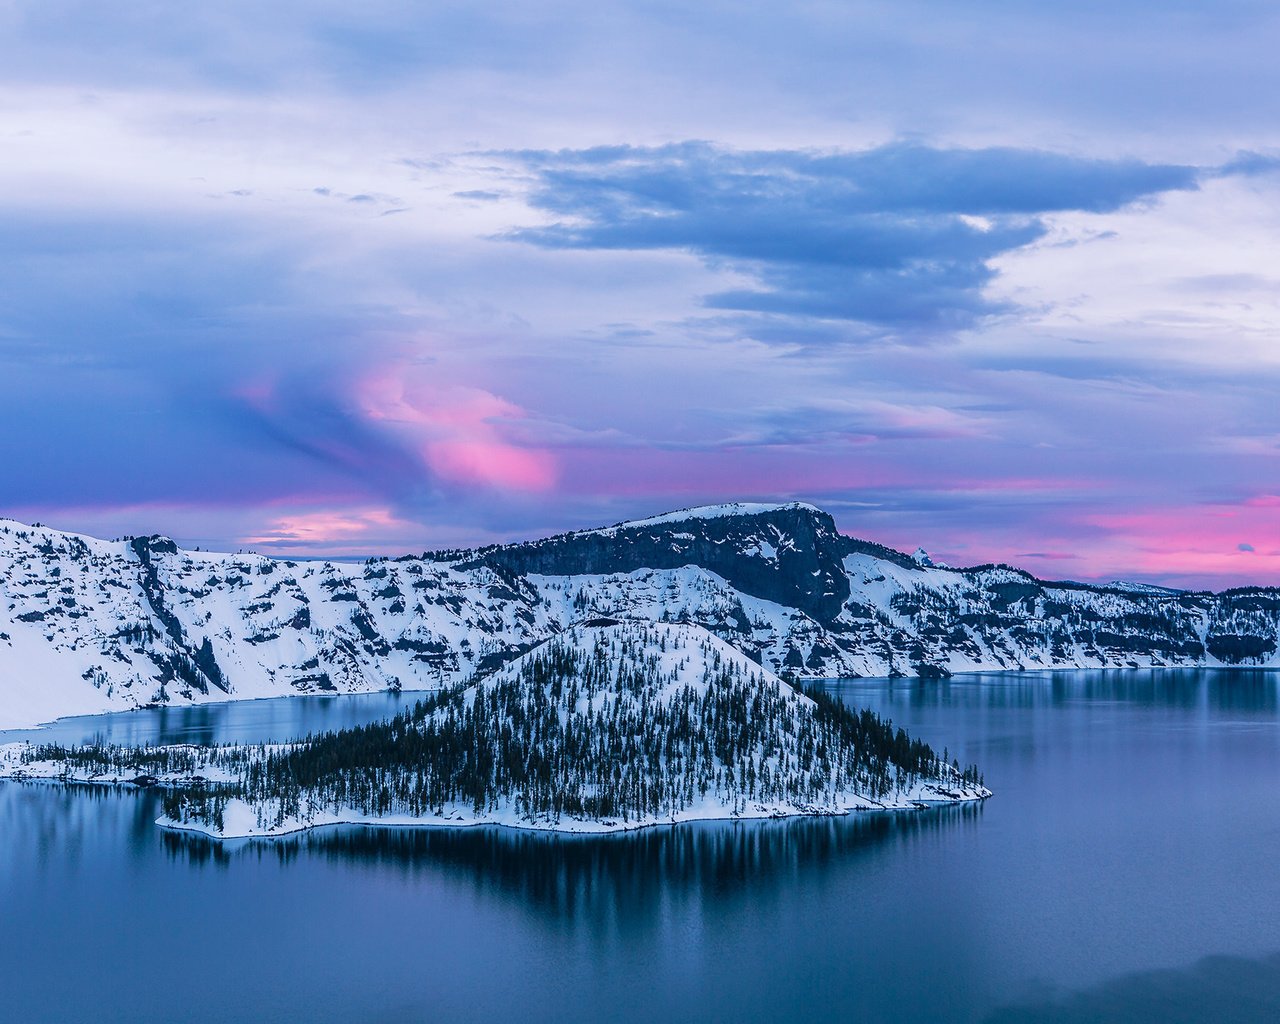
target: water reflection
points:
(1252, 691)
(276, 719)
(53, 825)
(1135, 824)
(626, 877)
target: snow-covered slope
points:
(604, 727)
(735, 509)
(89, 626)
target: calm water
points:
(1126, 869)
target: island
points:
(610, 725)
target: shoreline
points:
(557, 829)
(807, 680)
(220, 702)
(913, 800)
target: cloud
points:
(1244, 547)
(899, 236)
(1249, 164)
(679, 330)
(328, 529)
(460, 432)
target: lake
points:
(1124, 870)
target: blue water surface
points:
(1124, 870)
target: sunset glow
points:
(362, 287)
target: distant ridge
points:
(89, 625)
(1143, 588)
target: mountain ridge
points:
(88, 625)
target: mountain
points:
(89, 626)
(787, 554)
(606, 726)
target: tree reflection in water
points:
(624, 874)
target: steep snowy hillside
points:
(604, 727)
(89, 626)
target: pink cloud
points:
(1193, 546)
(304, 529)
(1226, 542)
(474, 460)
(461, 433)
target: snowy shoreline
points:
(923, 796)
(242, 819)
(576, 828)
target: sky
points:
(1001, 280)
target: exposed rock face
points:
(89, 625)
(788, 554)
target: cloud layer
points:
(319, 279)
(899, 236)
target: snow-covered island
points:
(608, 726)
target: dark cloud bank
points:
(899, 237)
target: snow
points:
(79, 635)
(737, 508)
(240, 819)
(684, 655)
(1142, 588)
(764, 550)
